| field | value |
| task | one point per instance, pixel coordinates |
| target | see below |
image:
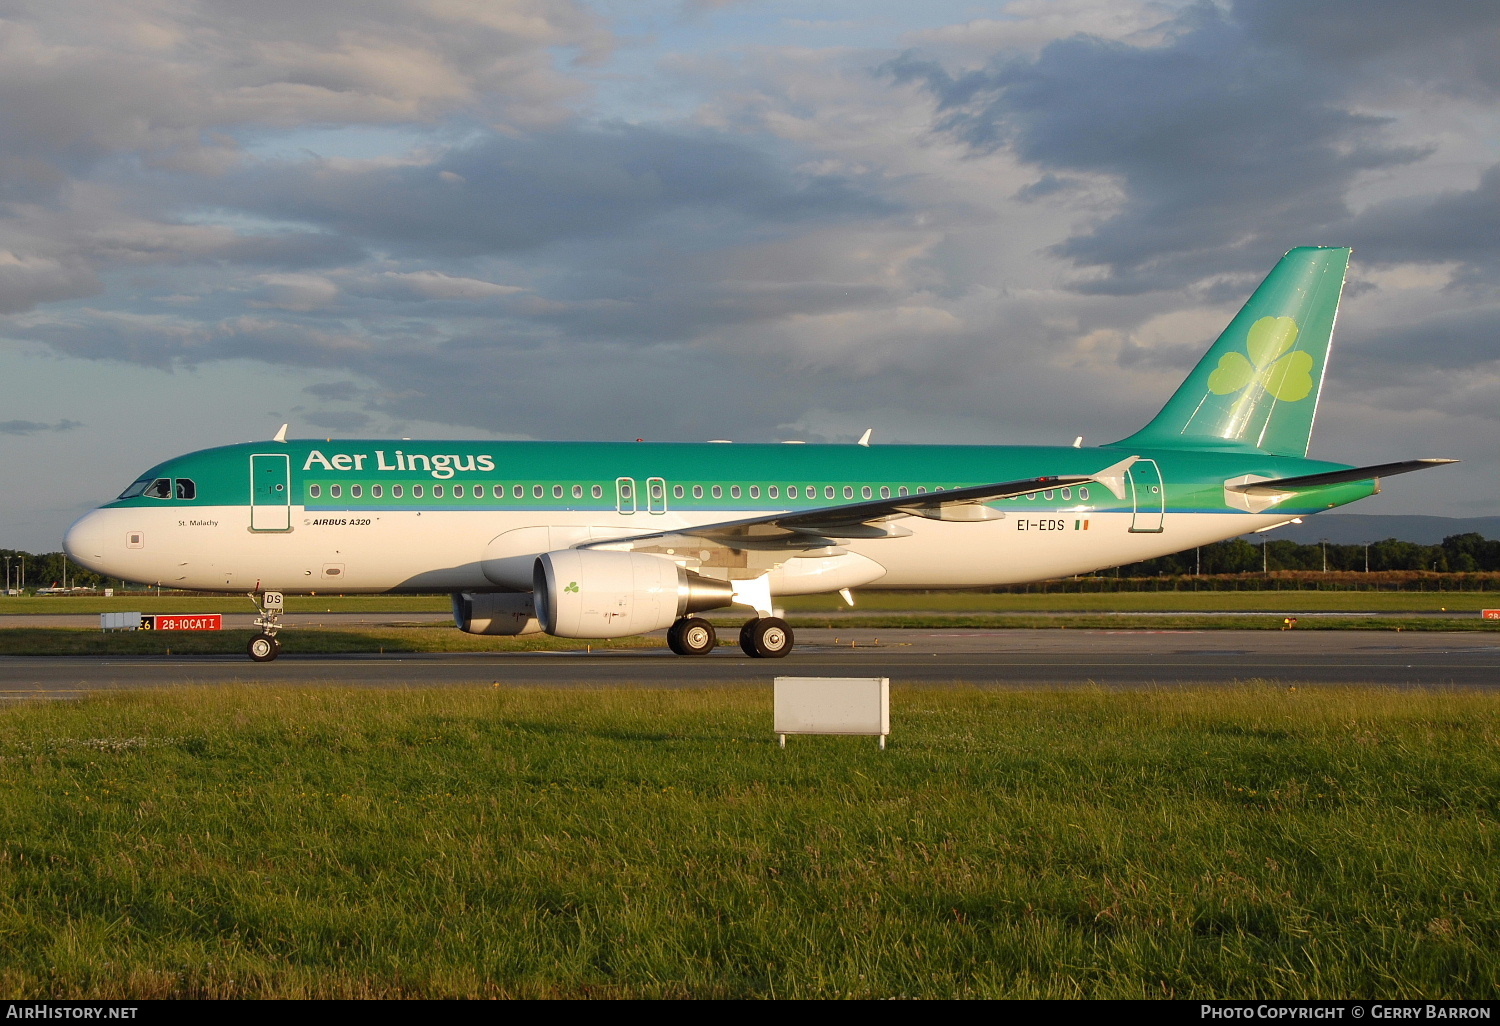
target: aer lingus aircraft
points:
(603, 540)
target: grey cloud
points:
(32, 427)
(335, 391)
(1229, 149)
(508, 193)
(348, 420)
(1461, 225)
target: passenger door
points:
(1149, 494)
(270, 492)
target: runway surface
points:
(1051, 658)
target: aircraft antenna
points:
(864, 439)
(280, 436)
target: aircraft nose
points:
(88, 541)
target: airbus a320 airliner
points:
(603, 540)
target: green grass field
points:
(1236, 842)
(871, 601)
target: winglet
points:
(280, 436)
(864, 439)
(1113, 477)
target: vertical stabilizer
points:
(1258, 385)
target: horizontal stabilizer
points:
(1295, 484)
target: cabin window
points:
(397, 491)
(356, 490)
(1083, 493)
(755, 491)
(161, 488)
(1047, 494)
(519, 491)
(597, 491)
(885, 491)
(479, 493)
(866, 493)
(718, 492)
(734, 491)
(921, 489)
(416, 491)
(1031, 496)
(697, 491)
(678, 491)
(656, 490)
(377, 490)
(437, 491)
(186, 489)
(498, 491)
(1067, 493)
(537, 491)
(458, 491)
(848, 491)
(334, 491)
(828, 491)
(773, 492)
(314, 491)
(557, 492)
(791, 491)
(578, 491)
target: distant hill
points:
(1358, 528)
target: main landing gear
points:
(765, 637)
(265, 646)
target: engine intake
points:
(594, 593)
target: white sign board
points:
(120, 621)
(833, 705)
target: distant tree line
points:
(1456, 554)
(45, 570)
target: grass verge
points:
(1232, 842)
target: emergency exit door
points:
(270, 492)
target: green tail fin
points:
(1258, 387)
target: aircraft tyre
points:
(692, 635)
(766, 637)
(263, 648)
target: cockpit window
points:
(136, 488)
(161, 488)
(186, 489)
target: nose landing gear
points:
(265, 646)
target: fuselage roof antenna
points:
(864, 439)
(280, 436)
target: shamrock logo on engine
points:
(1286, 375)
(572, 586)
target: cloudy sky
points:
(689, 219)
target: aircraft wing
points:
(1282, 485)
(824, 526)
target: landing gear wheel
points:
(767, 637)
(263, 648)
(692, 635)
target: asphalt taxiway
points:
(985, 658)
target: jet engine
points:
(495, 614)
(595, 593)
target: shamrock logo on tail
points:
(1287, 376)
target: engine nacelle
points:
(594, 593)
(486, 613)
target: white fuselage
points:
(213, 548)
